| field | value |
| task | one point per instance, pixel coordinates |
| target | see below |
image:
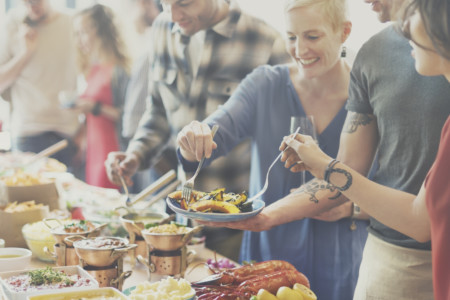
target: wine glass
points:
(307, 127)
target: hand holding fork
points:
(188, 186)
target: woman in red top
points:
(102, 60)
(427, 215)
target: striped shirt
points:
(231, 50)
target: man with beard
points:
(202, 50)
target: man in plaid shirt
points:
(202, 49)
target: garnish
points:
(49, 276)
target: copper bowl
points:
(88, 250)
(135, 222)
(169, 242)
(59, 234)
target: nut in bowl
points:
(14, 259)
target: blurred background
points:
(365, 24)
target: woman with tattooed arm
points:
(422, 217)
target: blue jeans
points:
(37, 143)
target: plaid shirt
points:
(231, 50)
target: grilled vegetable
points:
(214, 206)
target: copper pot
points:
(59, 234)
(99, 257)
(135, 222)
(169, 242)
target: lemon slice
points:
(305, 292)
(286, 293)
(265, 295)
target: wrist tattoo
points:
(315, 186)
(349, 182)
(351, 125)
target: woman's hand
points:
(84, 105)
(303, 154)
(195, 141)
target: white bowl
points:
(14, 259)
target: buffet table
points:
(195, 270)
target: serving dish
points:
(14, 258)
(108, 293)
(11, 294)
(168, 241)
(257, 207)
(100, 251)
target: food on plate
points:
(216, 201)
(45, 279)
(165, 289)
(247, 280)
(76, 227)
(21, 178)
(101, 243)
(20, 207)
(169, 229)
(305, 292)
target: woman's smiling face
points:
(312, 41)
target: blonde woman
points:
(423, 217)
(103, 62)
(315, 83)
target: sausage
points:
(272, 282)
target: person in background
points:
(385, 96)
(315, 83)
(103, 61)
(137, 90)
(425, 216)
(201, 50)
(37, 61)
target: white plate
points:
(258, 206)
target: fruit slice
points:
(265, 295)
(305, 292)
(286, 293)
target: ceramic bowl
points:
(14, 259)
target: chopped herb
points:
(49, 276)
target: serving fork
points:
(188, 186)
(266, 184)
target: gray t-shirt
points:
(410, 109)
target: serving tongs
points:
(162, 181)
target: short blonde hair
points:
(336, 10)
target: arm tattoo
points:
(356, 120)
(349, 182)
(315, 186)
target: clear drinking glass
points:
(307, 127)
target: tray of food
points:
(18, 285)
(106, 293)
(215, 206)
